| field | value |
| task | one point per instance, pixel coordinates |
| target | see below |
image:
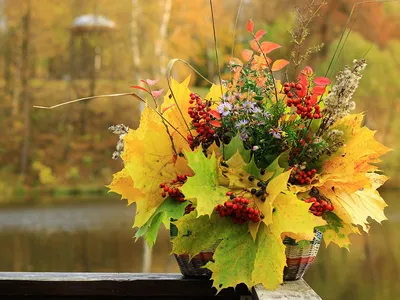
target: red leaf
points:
(319, 90)
(215, 123)
(250, 26)
(313, 100)
(157, 94)
(267, 47)
(259, 34)
(150, 82)
(215, 114)
(279, 64)
(322, 81)
(247, 54)
(139, 88)
(254, 46)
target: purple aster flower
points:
(276, 133)
(243, 135)
(242, 124)
(224, 108)
(267, 115)
(256, 110)
(248, 106)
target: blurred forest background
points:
(49, 55)
(55, 164)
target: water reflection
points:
(97, 238)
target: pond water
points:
(97, 237)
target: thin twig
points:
(369, 49)
(269, 67)
(172, 62)
(216, 46)
(163, 121)
(234, 32)
(136, 96)
(347, 24)
(346, 39)
(86, 98)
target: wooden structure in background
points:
(134, 286)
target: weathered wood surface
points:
(110, 285)
(298, 290)
(134, 286)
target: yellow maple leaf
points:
(149, 160)
(269, 261)
(340, 236)
(276, 186)
(348, 180)
(122, 184)
(216, 92)
(361, 148)
(302, 222)
(235, 173)
(177, 113)
(355, 208)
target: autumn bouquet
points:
(254, 167)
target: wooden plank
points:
(298, 290)
(106, 285)
(138, 285)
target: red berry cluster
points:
(306, 106)
(239, 210)
(318, 207)
(201, 121)
(171, 189)
(299, 176)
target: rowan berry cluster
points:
(237, 208)
(318, 207)
(202, 122)
(299, 176)
(171, 189)
(306, 106)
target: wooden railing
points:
(134, 286)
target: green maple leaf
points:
(270, 259)
(169, 209)
(204, 185)
(196, 234)
(236, 145)
(252, 169)
(234, 258)
(275, 167)
(238, 258)
(234, 255)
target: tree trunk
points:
(24, 89)
(160, 49)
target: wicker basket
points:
(298, 258)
